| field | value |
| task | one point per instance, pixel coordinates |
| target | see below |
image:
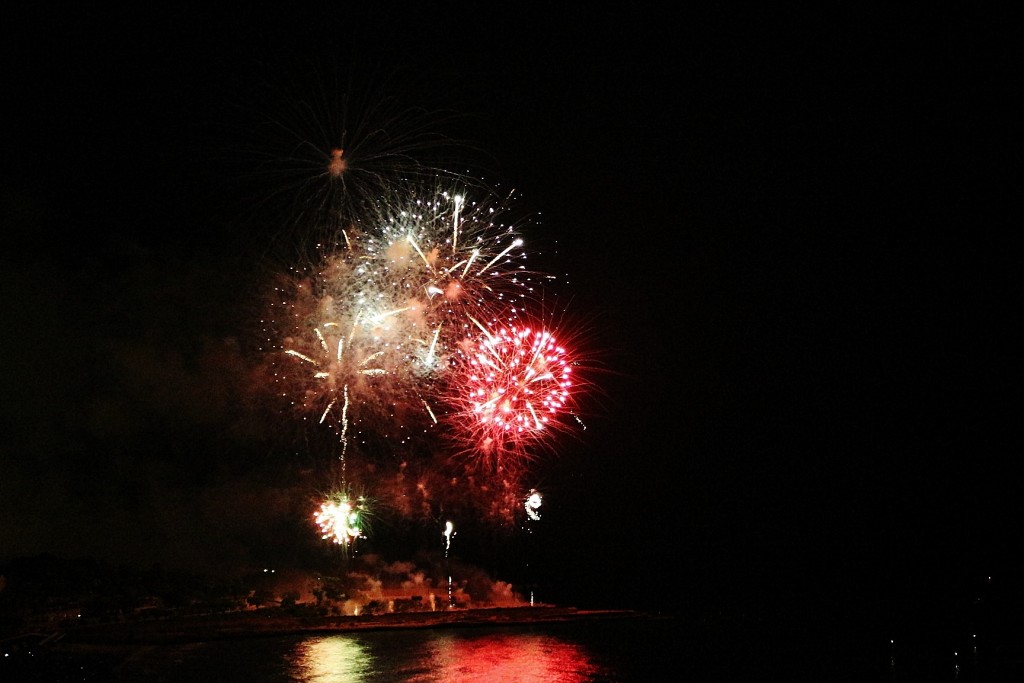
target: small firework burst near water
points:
(340, 520)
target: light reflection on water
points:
(330, 659)
(583, 652)
(445, 656)
(506, 657)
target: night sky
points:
(785, 236)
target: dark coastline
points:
(277, 622)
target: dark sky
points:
(788, 234)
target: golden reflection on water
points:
(332, 659)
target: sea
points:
(642, 648)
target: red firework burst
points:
(512, 386)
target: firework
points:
(340, 519)
(451, 258)
(369, 331)
(407, 322)
(322, 145)
(512, 387)
(532, 504)
(449, 531)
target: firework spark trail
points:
(449, 531)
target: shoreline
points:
(275, 622)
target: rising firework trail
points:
(449, 531)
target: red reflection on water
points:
(508, 658)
